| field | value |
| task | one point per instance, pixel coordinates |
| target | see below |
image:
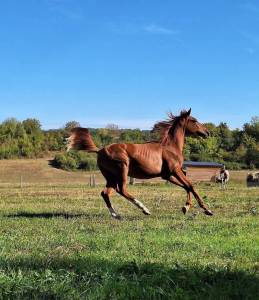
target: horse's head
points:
(193, 126)
(166, 129)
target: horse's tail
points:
(81, 139)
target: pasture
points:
(58, 241)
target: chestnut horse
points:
(163, 158)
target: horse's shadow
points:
(88, 216)
(50, 215)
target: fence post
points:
(20, 181)
(92, 181)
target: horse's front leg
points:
(188, 203)
(189, 187)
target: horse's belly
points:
(144, 170)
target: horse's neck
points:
(176, 140)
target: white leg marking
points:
(187, 207)
(141, 206)
(112, 212)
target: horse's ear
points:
(185, 113)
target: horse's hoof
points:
(184, 209)
(117, 217)
(208, 212)
(146, 212)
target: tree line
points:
(237, 149)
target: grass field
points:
(57, 241)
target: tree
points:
(8, 127)
(252, 157)
(212, 129)
(252, 128)
(131, 136)
(113, 130)
(70, 125)
(104, 135)
(248, 141)
(54, 140)
(112, 126)
(225, 136)
(32, 126)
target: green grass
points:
(59, 242)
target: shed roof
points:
(205, 164)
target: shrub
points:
(75, 161)
(233, 165)
(65, 162)
(88, 163)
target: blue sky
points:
(128, 62)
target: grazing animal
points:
(223, 177)
(163, 158)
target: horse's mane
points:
(162, 128)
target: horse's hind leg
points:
(105, 194)
(111, 184)
(122, 191)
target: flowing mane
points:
(163, 128)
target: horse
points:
(162, 158)
(223, 177)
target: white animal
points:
(223, 177)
